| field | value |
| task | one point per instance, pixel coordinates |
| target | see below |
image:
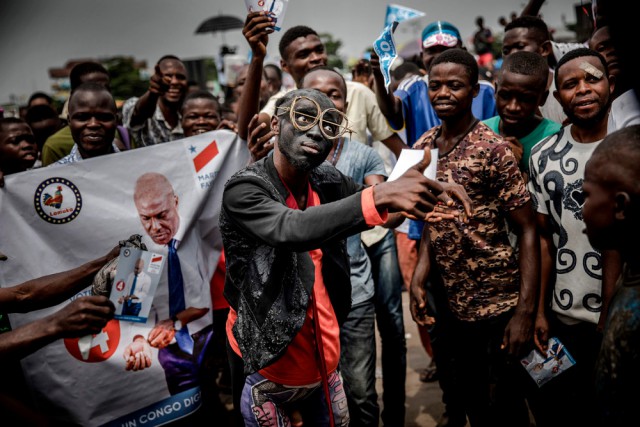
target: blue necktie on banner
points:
(400, 13)
(176, 298)
(133, 285)
(385, 48)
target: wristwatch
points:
(177, 324)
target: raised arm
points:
(389, 104)
(257, 28)
(248, 204)
(532, 8)
(146, 105)
(52, 289)
(83, 316)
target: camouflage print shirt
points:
(477, 263)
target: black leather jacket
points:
(270, 273)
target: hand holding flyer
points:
(135, 283)
(276, 9)
(544, 368)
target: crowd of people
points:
(319, 245)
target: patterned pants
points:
(265, 403)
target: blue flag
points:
(400, 13)
(385, 47)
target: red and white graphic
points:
(95, 348)
(205, 156)
(120, 286)
(155, 263)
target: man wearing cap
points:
(409, 107)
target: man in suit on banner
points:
(185, 330)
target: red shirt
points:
(218, 301)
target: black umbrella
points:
(220, 23)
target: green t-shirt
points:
(545, 128)
(57, 146)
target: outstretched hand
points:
(415, 195)
(412, 193)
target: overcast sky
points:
(36, 35)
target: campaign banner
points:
(59, 217)
(399, 13)
(385, 48)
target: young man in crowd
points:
(154, 118)
(530, 33)
(92, 121)
(577, 280)
(18, 148)
(491, 294)
(44, 121)
(521, 89)
(60, 143)
(408, 107)
(610, 213)
(625, 108)
(274, 78)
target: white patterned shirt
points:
(557, 171)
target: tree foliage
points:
(332, 46)
(125, 77)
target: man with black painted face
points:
(283, 223)
(577, 280)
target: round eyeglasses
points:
(305, 115)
